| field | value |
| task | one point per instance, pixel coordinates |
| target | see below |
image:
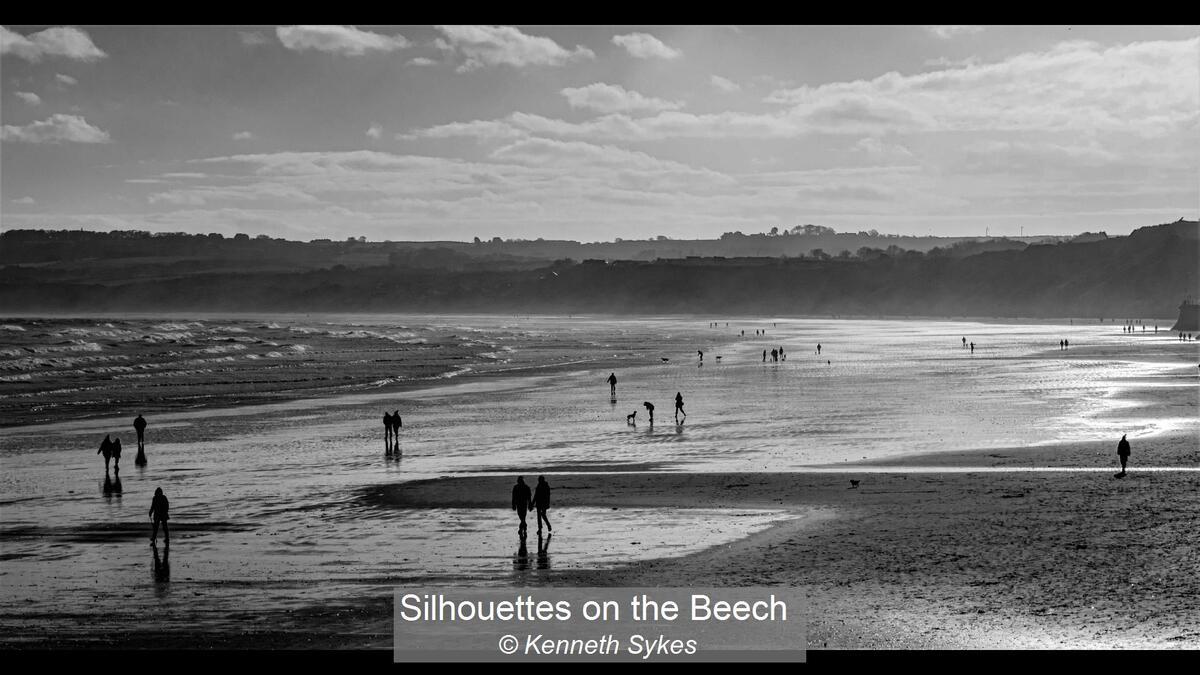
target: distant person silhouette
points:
(1066, 344)
(116, 454)
(1060, 344)
(397, 425)
(964, 343)
(649, 410)
(818, 349)
(679, 406)
(387, 430)
(106, 450)
(139, 425)
(701, 355)
(1123, 453)
(521, 503)
(159, 508)
(541, 501)
(774, 355)
(612, 384)
(764, 356)
(781, 358)
(972, 347)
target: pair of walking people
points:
(523, 502)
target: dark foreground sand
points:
(984, 559)
(930, 560)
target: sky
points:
(598, 132)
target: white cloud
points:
(645, 46)
(60, 41)
(29, 97)
(25, 201)
(345, 40)
(483, 46)
(375, 131)
(877, 149)
(721, 84)
(243, 136)
(65, 79)
(609, 98)
(1147, 88)
(947, 32)
(422, 61)
(57, 128)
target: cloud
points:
(483, 46)
(721, 84)
(344, 40)
(253, 38)
(63, 42)
(29, 97)
(879, 150)
(375, 131)
(422, 61)
(947, 32)
(25, 201)
(1146, 88)
(65, 79)
(645, 46)
(243, 136)
(57, 128)
(609, 98)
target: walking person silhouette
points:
(541, 501)
(106, 450)
(679, 406)
(612, 384)
(1123, 453)
(520, 503)
(139, 425)
(159, 507)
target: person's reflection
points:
(521, 561)
(679, 428)
(107, 487)
(116, 485)
(162, 566)
(543, 554)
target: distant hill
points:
(1145, 274)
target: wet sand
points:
(997, 559)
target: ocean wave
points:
(222, 349)
(12, 327)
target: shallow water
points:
(267, 497)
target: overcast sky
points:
(592, 133)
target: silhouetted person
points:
(972, 347)
(541, 501)
(139, 425)
(818, 349)
(397, 425)
(1066, 344)
(964, 343)
(701, 355)
(521, 503)
(1123, 453)
(612, 384)
(679, 406)
(774, 356)
(1060, 344)
(649, 410)
(159, 508)
(387, 430)
(106, 450)
(162, 568)
(116, 455)
(764, 356)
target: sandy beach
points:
(972, 525)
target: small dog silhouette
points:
(631, 418)
(718, 359)
(665, 359)
(853, 484)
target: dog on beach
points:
(853, 484)
(631, 418)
